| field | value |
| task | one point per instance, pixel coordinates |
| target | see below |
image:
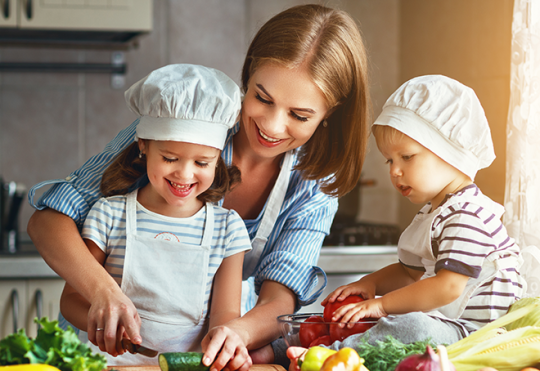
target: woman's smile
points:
(266, 140)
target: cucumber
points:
(177, 361)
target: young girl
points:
(458, 268)
(169, 248)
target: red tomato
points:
(330, 308)
(323, 340)
(338, 333)
(311, 329)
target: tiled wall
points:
(50, 123)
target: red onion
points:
(429, 361)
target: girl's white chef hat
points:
(185, 103)
(444, 116)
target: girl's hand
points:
(233, 353)
(354, 312)
(294, 354)
(116, 315)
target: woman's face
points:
(281, 110)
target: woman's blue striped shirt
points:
(293, 247)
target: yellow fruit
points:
(29, 367)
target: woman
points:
(299, 144)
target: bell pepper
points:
(347, 359)
(315, 358)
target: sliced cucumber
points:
(177, 361)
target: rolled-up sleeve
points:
(292, 251)
(75, 195)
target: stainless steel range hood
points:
(74, 23)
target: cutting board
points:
(156, 368)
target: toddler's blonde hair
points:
(385, 135)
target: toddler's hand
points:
(355, 288)
(365, 309)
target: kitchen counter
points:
(333, 259)
(22, 267)
(266, 367)
(356, 259)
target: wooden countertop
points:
(156, 368)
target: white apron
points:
(166, 281)
(416, 240)
(271, 213)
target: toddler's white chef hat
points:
(444, 116)
(185, 103)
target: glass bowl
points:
(298, 332)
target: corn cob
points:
(513, 344)
(492, 346)
(489, 331)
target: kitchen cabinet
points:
(77, 14)
(22, 300)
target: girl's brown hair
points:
(328, 41)
(127, 167)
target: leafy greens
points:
(385, 355)
(52, 346)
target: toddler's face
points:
(419, 174)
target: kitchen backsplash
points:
(51, 123)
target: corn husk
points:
(493, 346)
(531, 319)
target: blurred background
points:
(52, 122)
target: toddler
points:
(458, 269)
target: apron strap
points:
(208, 226)
(273, 207)
(131, 212)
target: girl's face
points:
(178, 173)
(419, 174)
(281, 110)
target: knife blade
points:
(135, 348)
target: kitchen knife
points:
(134, 348)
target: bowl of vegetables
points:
(310, 329)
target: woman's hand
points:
(233, 353)
(117, 316)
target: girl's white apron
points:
(166, 281)
(416, 240)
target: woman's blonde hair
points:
(328, 41)
(127, 167)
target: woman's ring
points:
(100, 329)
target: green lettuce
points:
(53, 346)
